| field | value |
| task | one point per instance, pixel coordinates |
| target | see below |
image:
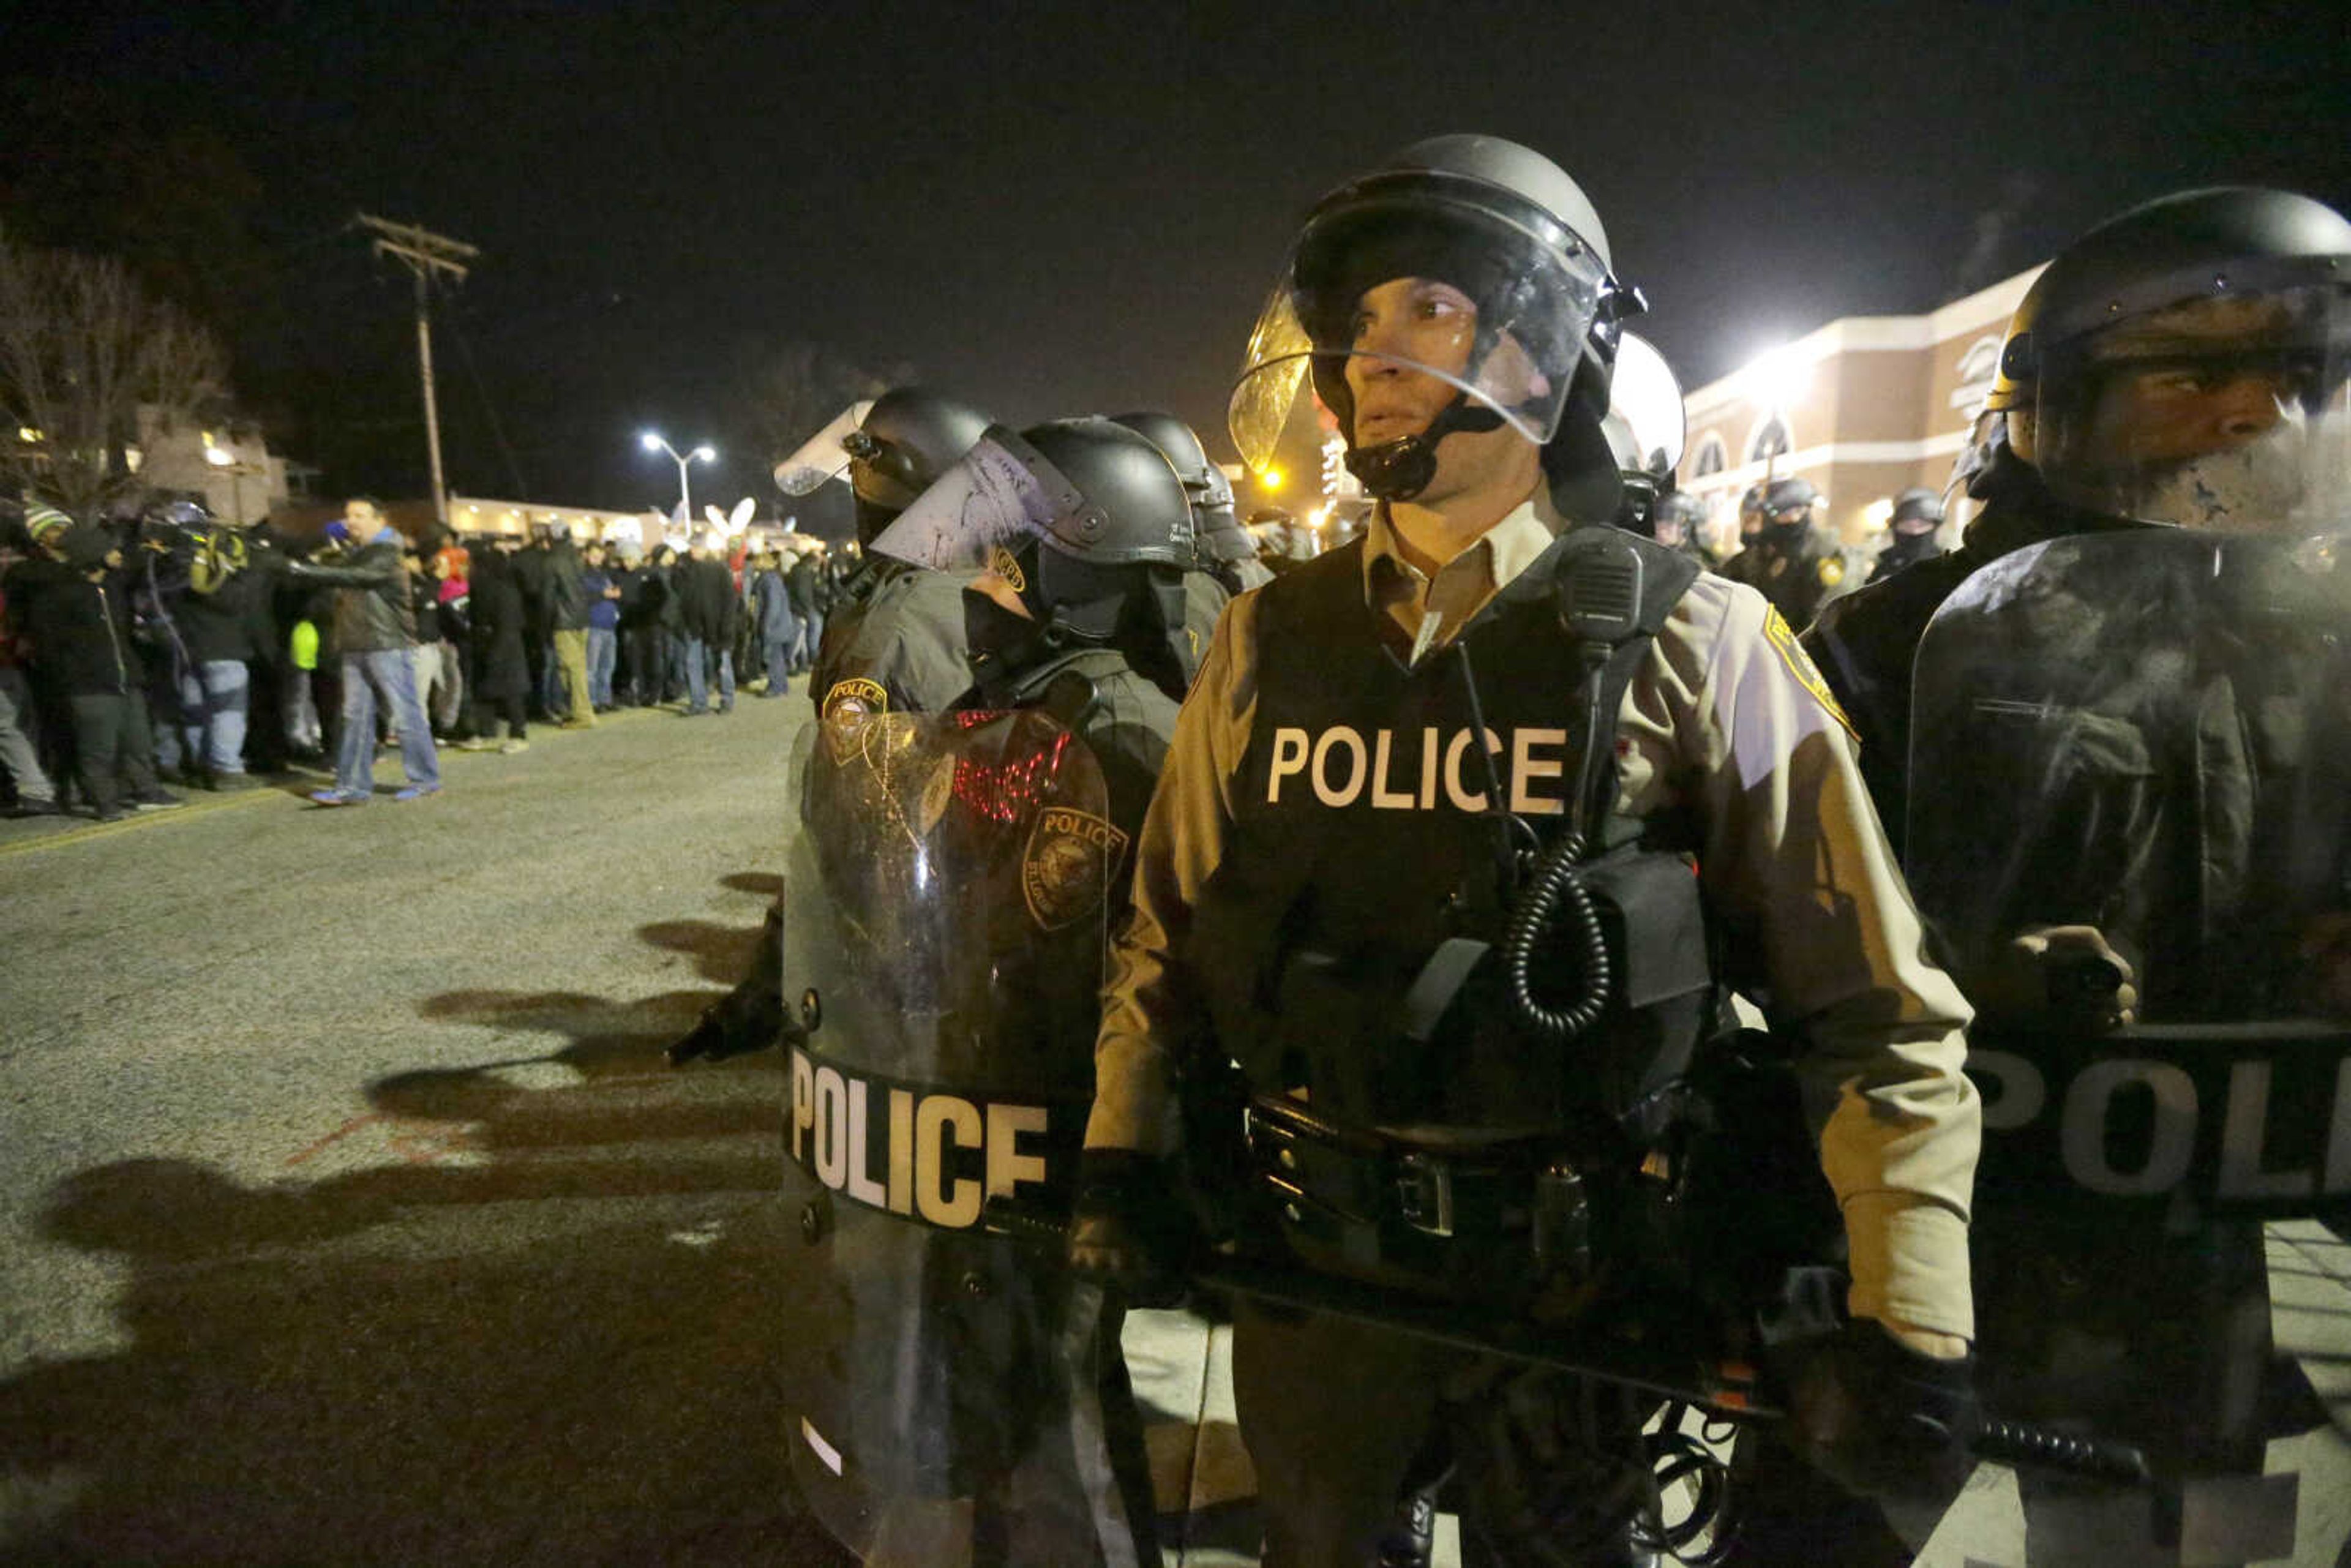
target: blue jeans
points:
(777, 652)
(390, 673)
(697, 676)
(212, 709)
(603, 652)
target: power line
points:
(427, 255)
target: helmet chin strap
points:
(1400, 469)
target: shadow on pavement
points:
(521, 1313)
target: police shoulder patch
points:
(1066, 869)
(1782, 638)
(1002, 562)
(856, 695)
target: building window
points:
(1710, 458)
(1770, 442)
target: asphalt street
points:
(348, 1213)
(348, 1210)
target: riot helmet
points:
(894, 450)
(1786, 509)
(1679, 519)
(2184, 364)
(1917, 510)
(1468, 280)
(1751, 514)
(1083, 519)
(1216, 534)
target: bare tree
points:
(785, 393)
(82, 347)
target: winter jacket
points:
(500, 667)
(78, 631)
(601, 612)
(706, 592)
(773, 607)
(566, 591)
(373, 611)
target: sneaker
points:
(476, 742)
(415, 791)
(510, 748)
(338, 797)
(155, 801)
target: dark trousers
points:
(114, 751)
(488, 711)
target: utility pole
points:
(426, 253)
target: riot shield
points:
(2148, 732)
(945, 890)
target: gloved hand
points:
(2068, 976)
(742, 1022)
(1129, 1230)
(1882, 1418)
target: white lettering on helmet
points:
(1331, 741)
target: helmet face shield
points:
(2225, 412)
(1394, 310)
(823, 456)
(1002, 494)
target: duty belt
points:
(1373, 1203)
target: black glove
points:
(1129, 1230)
(1882, 1418)
(744, 1022)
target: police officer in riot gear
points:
(1918, 513)
(893, 640)
(1074, 536)
(1792, 561)
(2134, 659)
(1318, 897)
(1865, 643)
(1679, 519)
(1224, 560)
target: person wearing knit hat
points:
(78, 625)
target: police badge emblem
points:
(1066, 869)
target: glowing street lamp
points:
(652, 442)
(1270, 478)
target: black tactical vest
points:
(1346, 943)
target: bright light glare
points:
(1779, 378)
(1270, 478)
(706, 454)
(218, 458)
(650, 441)
(1878, 514)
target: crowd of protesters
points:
(171, 648)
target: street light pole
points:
(652, 442)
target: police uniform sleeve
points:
(1795, 857)
(1148, 1006)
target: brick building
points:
(1865, 407)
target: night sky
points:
(1056, 210)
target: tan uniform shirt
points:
(1728, 717)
